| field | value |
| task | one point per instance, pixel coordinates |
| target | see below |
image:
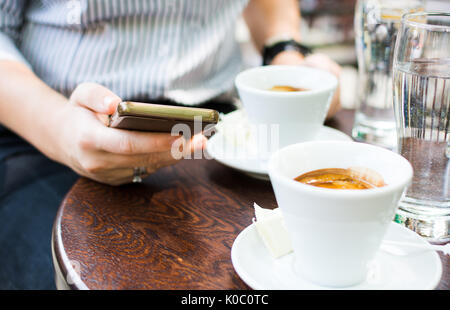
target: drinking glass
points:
(421, 78)
(376, 26)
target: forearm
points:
(30, 108)
(270, 18)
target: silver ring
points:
(138, 173)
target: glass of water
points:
(376, 26)
(421, 78)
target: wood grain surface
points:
(173, 231)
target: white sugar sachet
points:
(237, 130)
(271, 228)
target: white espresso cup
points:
(299, 115)
(336, 233)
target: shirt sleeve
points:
(11, 21)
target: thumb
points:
(96, 98)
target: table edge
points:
(63, 267)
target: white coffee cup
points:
(300, 114)
(336, 233)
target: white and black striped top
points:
(183, 50)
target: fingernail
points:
(108, 104)
(107, 101)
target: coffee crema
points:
(337, 178)
(286, 88)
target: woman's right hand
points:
(105, 154)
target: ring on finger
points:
(138, 174)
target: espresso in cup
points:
(286, 88)
(338, 178)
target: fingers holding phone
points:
(110, 155)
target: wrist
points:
(52, 127)
(62, 131)
(288, 58)
(283, 45)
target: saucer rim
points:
(253, 284)
(261, 171)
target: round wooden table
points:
(173, 231)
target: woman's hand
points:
(319, 61)
(105, 154)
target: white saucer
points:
(256, 267)
(229, 154)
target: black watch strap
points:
(269, 52)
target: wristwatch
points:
(272, 49)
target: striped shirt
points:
(182, 50)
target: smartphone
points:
(162, 118)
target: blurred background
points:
(327, 27)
